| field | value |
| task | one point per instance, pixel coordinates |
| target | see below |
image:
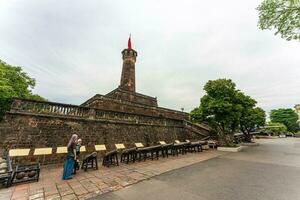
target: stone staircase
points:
(199, 129)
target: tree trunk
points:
(247, 137)
(246, 134)
(225, 140)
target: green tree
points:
(288, 117)
(275, 128)
(252, 118)
(228, 110)
(220, 108)
(281, 15)
(14, 83)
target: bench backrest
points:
(120, 146)
(82, 149)
(62, 150)
(42, 151)
(100, 147)
(18, 152)
(139, 145)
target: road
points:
(270, 171)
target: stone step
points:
(195, 128)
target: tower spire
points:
(129, 42)
(128, 71)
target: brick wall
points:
(21, 130)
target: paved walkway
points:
(89, 184)
(270, 171)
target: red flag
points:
(129, 42)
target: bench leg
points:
(117, 160)
(145, 156)
(85, 166)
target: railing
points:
(40, 107)
(58, 109)
(66, 110)
(174, 112)
(103, 114)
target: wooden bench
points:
(110, 158)
(90, 162)
(212, 144)
(129, 155)
(6, 171)
(179, 147)
(26, 172)
(194, 146)
(204, 144)
(148, 152)
(165, 148)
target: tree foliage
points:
(14, 83)
(281, 15)
(226, 109)
(252, 118)
(275, 128)
(288, 117)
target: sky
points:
(73, 49)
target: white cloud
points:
(73, 49)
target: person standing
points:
(71, 157)
(76, 163)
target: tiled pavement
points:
(96, 182)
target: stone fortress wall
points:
(121, 116)
(35, 124)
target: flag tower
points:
(128, 70)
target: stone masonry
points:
(121, 116)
